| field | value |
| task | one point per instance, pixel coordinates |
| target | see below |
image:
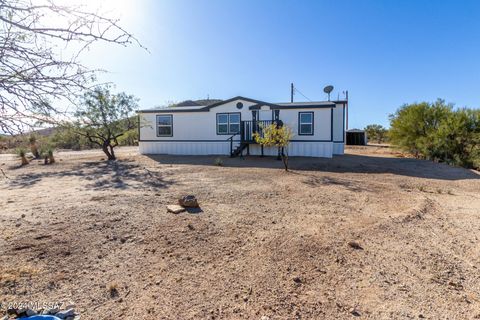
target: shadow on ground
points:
(101, 175)
(339, 164)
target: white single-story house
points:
(214, 127)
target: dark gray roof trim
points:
(203, 109)
(196, 103)
(172, 110)
(233, 99)
(258, 104)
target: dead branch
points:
(32, 70)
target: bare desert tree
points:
(40, 45)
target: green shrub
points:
(218, 162)
(129, 138)
(66, 138)
(376, 133)
(51, 159)
(436, 131)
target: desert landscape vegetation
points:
(388, 230)
(370, 234)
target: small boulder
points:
(31, 312)
(355, 312)
(355, 245)
(175, 208)
(65, 314)
(51, 311)
(189, 201)
(11, 311)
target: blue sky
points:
(385, 53)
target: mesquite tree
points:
(103, 117)
(40, 45)
(275, 135)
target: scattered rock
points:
(51, 311)
(355, 245)
(65, 314)
(175, 208)
(297, 280)
(31, 312)
(21, 311)
(71, 305)
(11, 312)
(189, 201)
(355, 312)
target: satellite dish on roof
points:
(328, 90)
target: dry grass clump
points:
(14, 274)
(113, 290)
(22, 154)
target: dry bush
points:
(113, 289)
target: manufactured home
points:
(226, 127)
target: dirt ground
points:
(265, 245)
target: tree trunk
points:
(285, 162)
(108, 150)
(112, 153)
(285, 159)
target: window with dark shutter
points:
(305, 123)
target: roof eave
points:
(204, 109)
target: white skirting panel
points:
(298, 149)
(184, 148)
(338, 148)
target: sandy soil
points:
(265, 243)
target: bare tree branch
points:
(33, 70)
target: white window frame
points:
(165, 125)
(300, 123)
(229, 123)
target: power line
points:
(295, 88)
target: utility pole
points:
(291, 92)
(346, 98)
